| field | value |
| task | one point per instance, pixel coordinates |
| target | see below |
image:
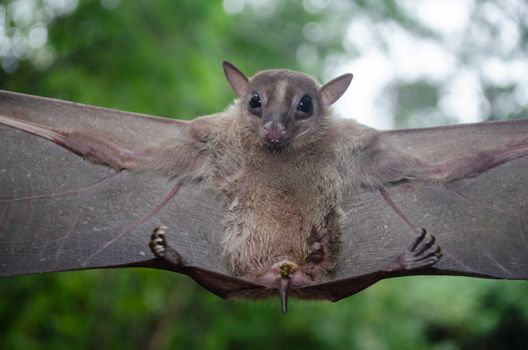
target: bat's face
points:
(283, 107)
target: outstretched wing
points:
(59, 211)
(470, 191)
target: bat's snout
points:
(275, 133)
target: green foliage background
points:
(163, 58)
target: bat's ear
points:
(334, 89)
(237, 79)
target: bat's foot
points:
(422, 253)
(161, 249)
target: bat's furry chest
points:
(281, 209)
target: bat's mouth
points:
(276, 141)
(277, 147)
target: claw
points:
(161, 249)
(157, 241)
(422, 232)
(425, 245)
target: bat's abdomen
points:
(264, 230)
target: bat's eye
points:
(254, 100)
(305, 105)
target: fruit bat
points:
(275, 195)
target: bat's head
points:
(285, 107)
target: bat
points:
(275, 195)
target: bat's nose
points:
(275, 133)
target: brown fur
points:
(284, 202)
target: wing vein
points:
(129, 228)
(60, 194)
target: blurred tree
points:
(490, 50)
(164, 58)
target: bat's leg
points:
(161, 249)
(422, 253)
